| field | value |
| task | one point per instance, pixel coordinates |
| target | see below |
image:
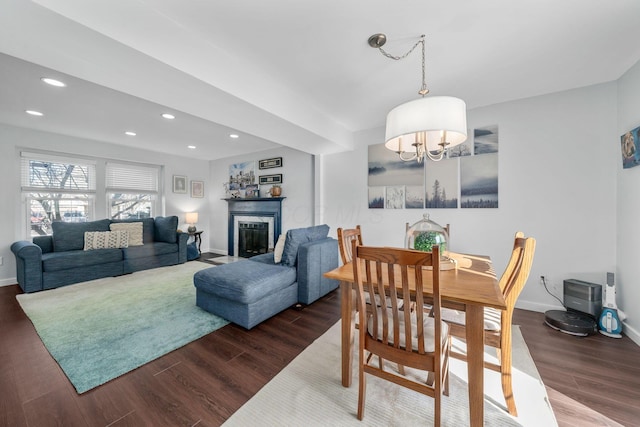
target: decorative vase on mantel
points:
(275, 191)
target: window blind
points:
(43, 172)
(123, 177)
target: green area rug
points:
(104, 328)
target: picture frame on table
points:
(252, 191)
(179, 184)
(197, 189)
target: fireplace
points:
(256, 222)
(253, 238)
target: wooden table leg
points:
(346, 300)
(475, 362)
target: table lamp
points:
(192, 219)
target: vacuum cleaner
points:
(610, 322)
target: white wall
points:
(556, 176)
(628, 207)
(297, 186)
(12, 139)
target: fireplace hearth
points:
(253, 238)
(264, 211)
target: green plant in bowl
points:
(425, 242)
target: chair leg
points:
(362, 389)
(437, 409)
(506, 377)
(430, 378)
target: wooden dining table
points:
(469, 287)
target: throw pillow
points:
(134, 229)
(105, 239)
(279, 249)
(166, 229)
(148, 225)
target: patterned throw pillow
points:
(134, 229)
(105, 239)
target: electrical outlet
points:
(1, 260)
(542, 280)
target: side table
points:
(197, 238)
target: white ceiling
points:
(295, 73)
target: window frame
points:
(97, 193)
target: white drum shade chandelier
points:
(427, 126)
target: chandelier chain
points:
(423, 89)
(397, 58)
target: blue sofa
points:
(250, 291)
(60, 259)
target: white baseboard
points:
(9, 281)
(217, 251)
(536, 306)
(631, 333)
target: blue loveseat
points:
(250, 291)
(61, 259)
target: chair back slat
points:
(345, 238)
(375, 269)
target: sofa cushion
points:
(149, 250)
(165, 229)
(244, 281)
(148, 226)
(105, 239)
(69, 236)
(318, 232)
(57, 261)
(133, 228)
(297, 236)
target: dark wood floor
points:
(591, 381)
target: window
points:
(56, 189)
(132, 190)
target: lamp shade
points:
(192, 217)
(426, 117)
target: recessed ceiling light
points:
(192, 147)
(168, 116)
(130, 133)
(34, 113)
(234, 136)
(53, 82)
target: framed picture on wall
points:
(197, 189)
(179, 184)
(271, 179)
(276, 162)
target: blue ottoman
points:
(246, 292)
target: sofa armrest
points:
(314, 259)
(28, 265)
(182, 239)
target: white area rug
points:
(308, 392)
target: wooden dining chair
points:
(408, 338)
(345, 237)
(497, 323)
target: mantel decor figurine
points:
(276, 191)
